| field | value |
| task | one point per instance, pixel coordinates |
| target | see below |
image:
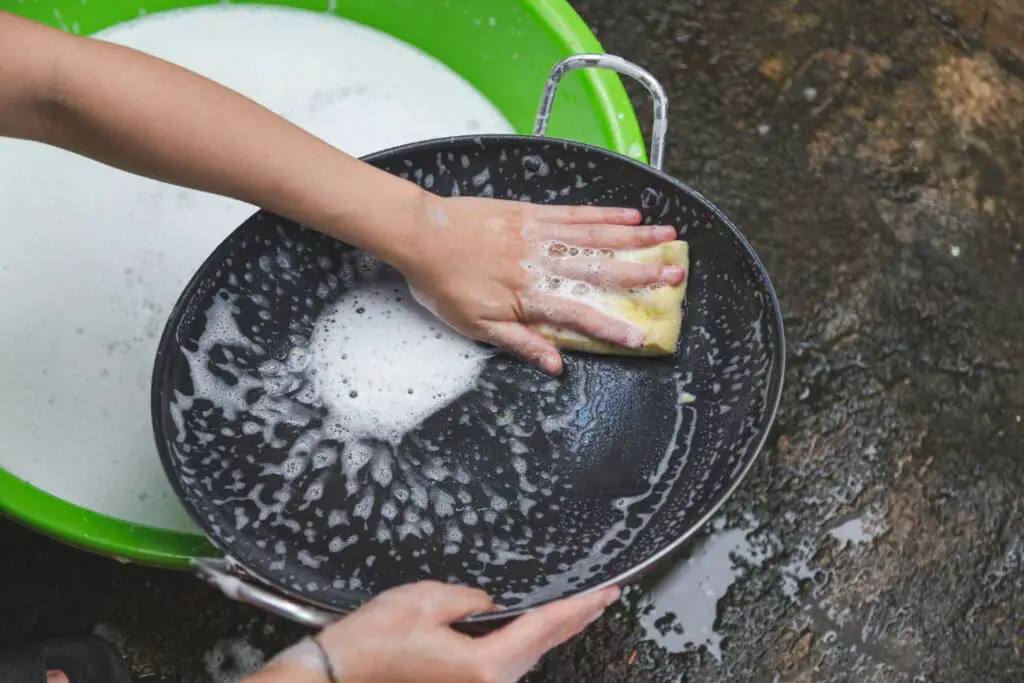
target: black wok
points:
(646, 452)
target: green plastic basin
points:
(505, 48)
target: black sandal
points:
(82, 660)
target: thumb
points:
(450, 603)
(441, 603)
(528, 344)
(514, 649)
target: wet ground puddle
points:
(678, 606)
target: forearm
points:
(301, 663)
(149, 117)
(287, 674)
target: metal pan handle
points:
(623, 67)
(225, 575)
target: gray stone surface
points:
(872, 152)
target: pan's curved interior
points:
(529, 487)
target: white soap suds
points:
(91, 259)
(374, 366)
(384, 364)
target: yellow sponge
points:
(657, 311)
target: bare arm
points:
(149, 117)
(288, 674)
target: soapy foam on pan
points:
(383, 365)
(376, 366)
(77, 373)
(349, 416)
(380, 485)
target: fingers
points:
(518, 646)
(587, 214)
(602, 235)
(528, 344)
(608, 273)
(588, 321)
(445, 603)
(458, 602)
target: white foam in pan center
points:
(384, 364)
(91, 259)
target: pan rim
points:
(776, 379)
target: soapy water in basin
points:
(91, 259)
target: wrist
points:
(303, 662)
(380, 213)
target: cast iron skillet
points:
(485, 492)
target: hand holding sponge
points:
(658, 311)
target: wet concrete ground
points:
(872, 151)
